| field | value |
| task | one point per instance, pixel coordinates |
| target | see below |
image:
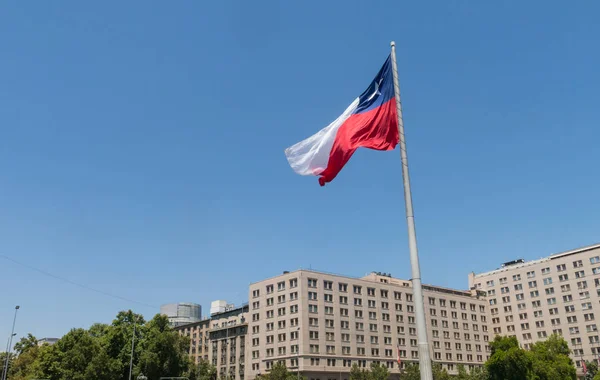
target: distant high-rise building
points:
(182, 313)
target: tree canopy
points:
(103, 352)
(545, 360)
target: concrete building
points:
(49, 341)
(220, 340)
(556, 294)
(199, 339)
(182, 313)
(220, 306)
(322, 323)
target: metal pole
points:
(132, 346)
(12, 333)
(424, 359)
(7, 345)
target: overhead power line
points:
(83, 286)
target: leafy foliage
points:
(202, 371)
(411, 372)
(550, 360)
(378, 372)
(546, 360)
(592, 370)
(103, 352)
(439, 373)
(280, 372)
(508, 361)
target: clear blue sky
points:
(141, 145)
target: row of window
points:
(581, 285)
(358, 290)
(546, 271)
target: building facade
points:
(221, 341)
(321, 324)
(182, 313)
(556, 294)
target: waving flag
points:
(371, 121)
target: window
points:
(269, 289)
(313, 309)
(255, 293)
(503, 280)
(312, 283)
(312, 296)
(595, 260)
(545, 270)
(327, 285)
(518, 286)
(357, 289)
(532, 284)
(531, 274)
(293, 282)
(561, 267)
(517, 277)
(548, 281)
(580, 274)
(343, 300)
(343, 288)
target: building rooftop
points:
(375, 277)
(522, 263)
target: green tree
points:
(410, 372)
(202, 371)
(162, 351)
(357, 373)
(592, 370)
(378, 372)
(25, 344)
(551, 361)
(439, 373)
(508, 361)
(11, 360)
(24, 366)
(104, 351)
(478, 373)
(462, 373)
(280, 372)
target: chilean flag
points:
(371, 121)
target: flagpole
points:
(424, 358)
